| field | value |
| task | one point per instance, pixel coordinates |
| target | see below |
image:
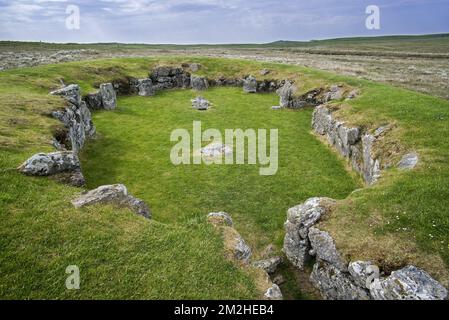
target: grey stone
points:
(93, 101)
(324, 246)
(408, 161)
(264, 72)
(285, 94)
(199, 83)
(276, 108)
(335, 284)
(47, 164)
(112, 194)
(145, 87)
(250, 84)
(335, 93)
(242, 251)
(108, 96)
(200, 103)
(273, 293)
(220, 218)
(409, 283)
(269, 265)
(194, 67)
(371, 166)
(360, 272)
(299, 219)
(71, 93)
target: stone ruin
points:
(334, 277)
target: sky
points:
(215, 21)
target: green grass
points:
(401, 220)
(134, 148)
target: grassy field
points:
(403, 219)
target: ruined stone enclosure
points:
(215, 101)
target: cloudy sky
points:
(215, 21)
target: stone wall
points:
(338, 279)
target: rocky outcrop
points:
(145, 87)
(166, 77)
(199, 83)
(76, 118)
(113, 194)
(93, 101)
(250, 84)
(338, 280)
(55, 163)
(299, 220)
(199, 103)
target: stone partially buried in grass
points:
(116, 194)
(199, 103)
(216, 149)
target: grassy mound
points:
(402, 219)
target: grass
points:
(401, 220)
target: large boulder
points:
(64, 164)
(47, 164)
(199, 83)
(409, 283)
(145, 87)
(108, 96)
(250, 84)
(116, 194)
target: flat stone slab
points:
(408, 161)
(199, 103)
(216, 149)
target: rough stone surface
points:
(63, 165)
(216, 149)
(273, 293)
(325, 249)
(335, 284)
(200, 103)
(166, 77)
(93, 101)
(299, 220)
(359, 271)
(408, 161)
(358, 148)
(199, 83)
(76, 118)
(47, 164)
(269, 265)
(220, 218)
(250, 84)
(242, 252)
(108, 96)
(264, 72)
(335, 92)
(285, 94)
(112, 194)
(145, 87)
(409, 283)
